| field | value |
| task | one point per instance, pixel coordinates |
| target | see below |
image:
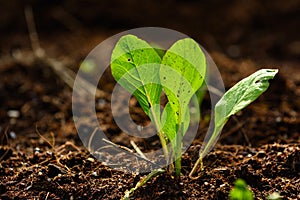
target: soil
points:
(41, 155)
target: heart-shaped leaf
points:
(135, 66)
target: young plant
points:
(234, 100)
(180, 72)
(138, 68)
(240, 191)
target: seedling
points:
(138, 68)
(233, 101)
(146, 72)
(240, 191)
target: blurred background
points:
(236, 28)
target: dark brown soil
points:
(41, 155)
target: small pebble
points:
(12, 135)
(94, 174)
(36, 150)
(18, 148)
(13, 113)
(278, 119)
(91, 160)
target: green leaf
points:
(182, 73)
(200, 94)
(197, 101)
(235, 99)
(240, 191)
(135, 66)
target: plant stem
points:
(142, 182)
(178, 149)
(195, 168)
(160, 134)
(163, 144)
(207, 146)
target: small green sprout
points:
(240, 191)
(142, 182)
(180, 72)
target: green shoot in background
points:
(240, 191)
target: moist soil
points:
(41, 155)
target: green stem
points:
(163, 144)
(160, 134)
(178, 149)
(142, 182)
(207, 147)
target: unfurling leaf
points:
(235, 99)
